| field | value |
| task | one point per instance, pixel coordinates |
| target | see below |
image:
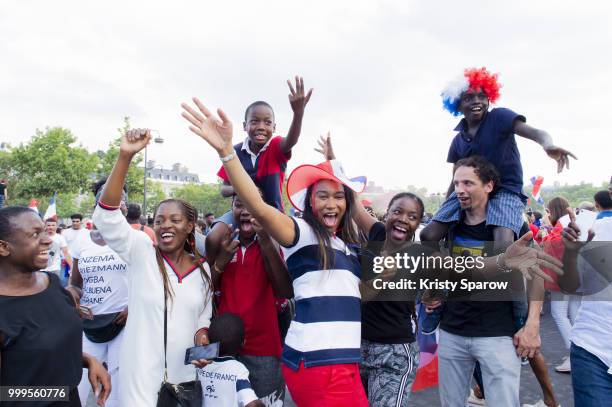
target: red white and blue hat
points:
(306, 175)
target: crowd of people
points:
(272, 302)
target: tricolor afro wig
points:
(472, 79)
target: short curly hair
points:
(483, 168)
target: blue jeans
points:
(591, 382)
(501, 369)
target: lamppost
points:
(157, 140)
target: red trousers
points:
(326, 386)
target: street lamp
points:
(158, 140)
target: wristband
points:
(227, 157)
(108, 207)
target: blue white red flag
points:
(51, 211)
(536, 182)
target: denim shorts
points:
(504, 209)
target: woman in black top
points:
(390, 353)
(388, 346)
(40, 328)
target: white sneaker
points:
(539, 403)
(565, 366)
(474, 401)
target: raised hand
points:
(297, 98)
(325, 147)
(217, 131)
(134, 141)
(519, 256)
(560, 155)
(228, 249)
(571, 234)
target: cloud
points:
(377, 69)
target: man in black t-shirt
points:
(474, 327)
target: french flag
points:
(427, 373)
(536, 182)
(51, 211)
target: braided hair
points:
(191, 213)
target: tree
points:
(575, 194)
(205, 197)
(67, 204)
(86, 205)
(50, 163)
(135, 174)
(155, 194)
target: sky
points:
(377, 68)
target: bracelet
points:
(108, 207)
(500, 268)
(227, 157)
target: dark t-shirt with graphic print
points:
(479, 317)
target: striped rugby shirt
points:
(326, 329)
(267, 168)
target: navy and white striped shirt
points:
(326, 329)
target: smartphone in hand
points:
(209, 351)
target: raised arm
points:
(298, 100)
(570, 280)
(132, 142)
(560, 155)
(217, 131)
(275, 267)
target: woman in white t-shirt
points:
(171, 273)
(99, 282)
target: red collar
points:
(186, 273)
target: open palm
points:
(519, 256)
(217, 131)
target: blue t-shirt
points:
(495, 141)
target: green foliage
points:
(49, 163)
(155, 194)
(575, 194)
(67, 204)
(5, 167)
(205, 197)
(86, 205)
(135, 174)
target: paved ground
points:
(552, 349)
